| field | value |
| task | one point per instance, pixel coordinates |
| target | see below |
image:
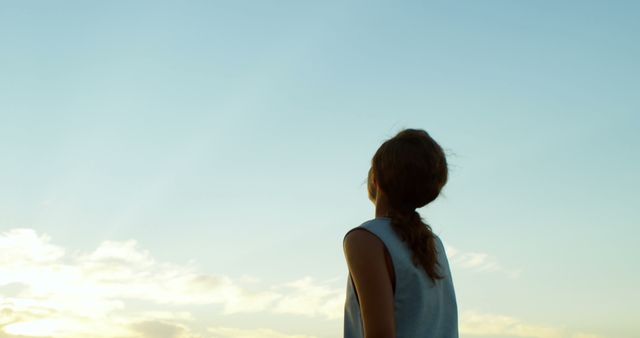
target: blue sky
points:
(231, 140)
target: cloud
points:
(44, 291)
(494, 325)
(477, 261)
(306, 297)
(25, 246)
(225, 332)
(47, 292)
(158, 328)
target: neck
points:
(382, 210)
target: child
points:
(399, 280)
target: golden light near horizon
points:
(50, 292)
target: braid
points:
(420, 239)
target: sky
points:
(188, 169)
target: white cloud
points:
(225, 332)
(46, 292)
(494, 325)
(477, 261)
(24, 245)
(164, 329)
(307, 297)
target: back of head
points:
(411, 170)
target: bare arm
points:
(365, 257)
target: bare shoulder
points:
(361, 242)
(365, 252)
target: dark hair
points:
(411, 170)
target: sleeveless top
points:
(422, 308)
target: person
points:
(400, 284)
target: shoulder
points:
(361, 237)
(370, 234)
(361, 245)
(362, 234)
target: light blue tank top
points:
(423, 309)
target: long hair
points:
(411, 170)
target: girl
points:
(399, 280)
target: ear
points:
(372, 187)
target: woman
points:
(399, 280)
